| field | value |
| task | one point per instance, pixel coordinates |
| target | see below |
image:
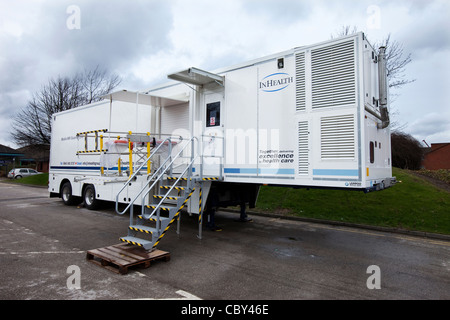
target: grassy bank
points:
(35, 180)
(412, 204)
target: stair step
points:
(153, 218)
(174, 188)
(163, 208)
(176, 178)
(160, 196)
(143, 229)
(137, 241)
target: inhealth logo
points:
(275, 82)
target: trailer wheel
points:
(66, 194)
(89, 197)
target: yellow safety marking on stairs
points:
(132, 242)
(160, 197)
(176, 188)
(200, 206)
(161, 208)
(174, 218)
(141, 230)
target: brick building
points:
(437, 157)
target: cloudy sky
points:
(144, 40)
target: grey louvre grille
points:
(303, 148)
(333, 75)
(300, 84)
(337, 137)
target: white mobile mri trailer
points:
(313, 116)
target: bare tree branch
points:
(396, 62)
(345, 31)
(32, 124)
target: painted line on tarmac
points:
(185, 296)
(42, 252)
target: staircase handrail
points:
(152, 177)
(134, 175)
(173, 160)
(167, 193)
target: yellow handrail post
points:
(130, 148)
(102, 170)
(149, 162)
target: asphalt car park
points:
(43, 242)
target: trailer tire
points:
(66, 194)
(89, 197)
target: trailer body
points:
(307, 117)
(77, 158)
(312, 116)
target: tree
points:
(32, 124)
(407, 153)
(396, 62)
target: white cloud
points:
(433, 127)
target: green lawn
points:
(411, 204)
(37, 180)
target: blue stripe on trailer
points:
(259, 171)
(87, 168)
(335, 172)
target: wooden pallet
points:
(118, 258)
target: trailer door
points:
(212, 140)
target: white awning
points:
(142, 98)
(196, 77)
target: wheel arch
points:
(63, 181)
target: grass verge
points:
(35, 180)
(411, 204)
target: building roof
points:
(7, 151)
(437, 146)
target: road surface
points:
(42, 240)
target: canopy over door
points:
(196, 77)
(142, 98)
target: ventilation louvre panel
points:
(303, 148)
(300, 84)
(337, 137)
(333, 75)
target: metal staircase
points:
(158, 217)
(162, 199)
